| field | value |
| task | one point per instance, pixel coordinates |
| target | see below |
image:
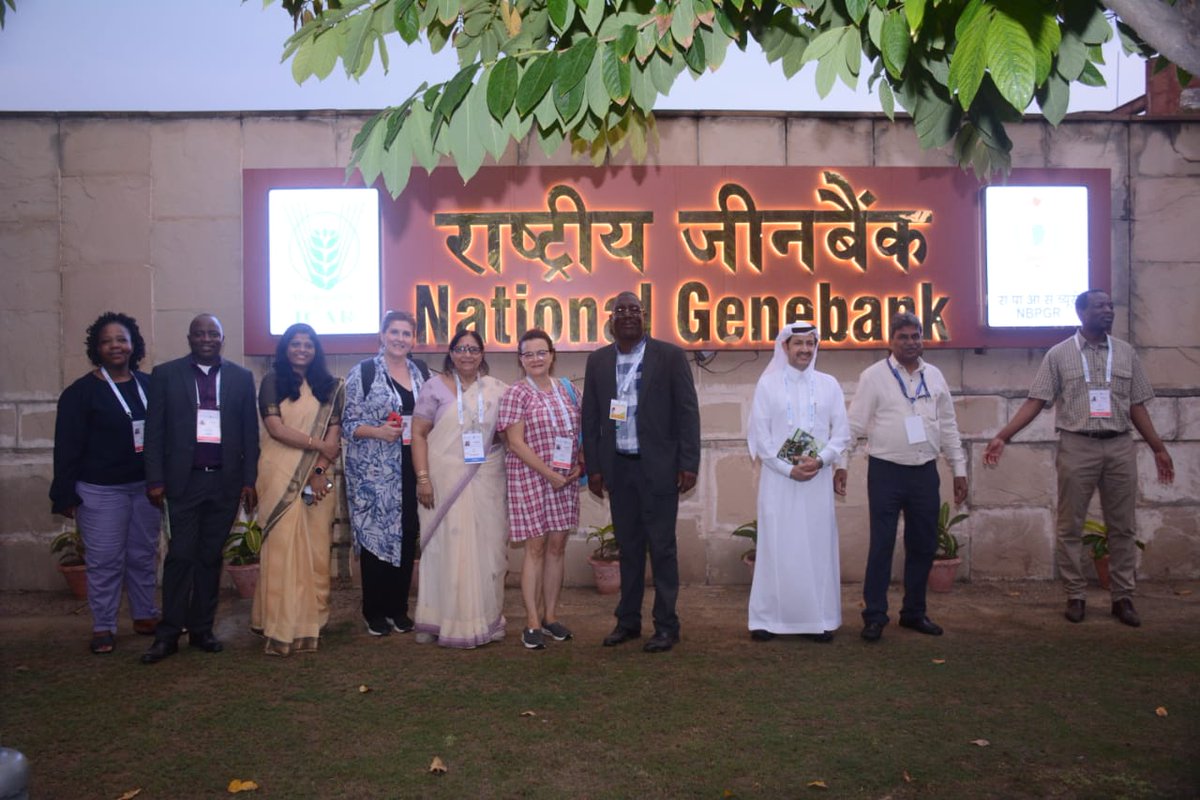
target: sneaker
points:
(558, 631)
(379, 627)
(532, 639)
(401, 625)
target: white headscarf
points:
(777, 369)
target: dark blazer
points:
(171, 426)
(668, 415)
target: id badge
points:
(1099, 403)
(617, 410)
(563, 448)
(139, 435)
(208, 425)
(473, 447)
(406, 429)
(914, 428)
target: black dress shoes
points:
(620, 635)
(760, 635)
(923, 625)
(824, 637)
(1124, 611)
(660, 642)
(159, 650)
(872, 631)
(206, 642)
(1075, 610)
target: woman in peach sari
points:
(301, 406)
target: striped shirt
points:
(627, 438)
(1060, 380)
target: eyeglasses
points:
(627, 311)
(528, 354)
(467, 350)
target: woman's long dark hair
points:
(448, 364)
(137, 343)
(287, 382)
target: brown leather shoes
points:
(1123, 610)
(1075, 611)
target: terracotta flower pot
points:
(941, 577)
(76, 575)
(1102, 574)
(245, 579)
(608, 575)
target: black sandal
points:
(103, 642)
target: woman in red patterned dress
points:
(539, 417)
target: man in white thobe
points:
(797, 583)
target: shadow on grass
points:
(1067, 711)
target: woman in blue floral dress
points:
(380, 482)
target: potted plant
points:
(605, 559)
(242, 551)
(748, 530)
(945, 560)
(68, 546)
(1095, 537)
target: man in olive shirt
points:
(1098, 388)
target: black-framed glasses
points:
(528, 354)
(467, 350)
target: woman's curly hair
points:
(135, 337)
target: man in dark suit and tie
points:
(641, 441)
(201, 462)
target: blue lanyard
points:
(922, 389)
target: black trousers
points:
(385, 586)
(200, 520)
(645, 521)
(915, 491)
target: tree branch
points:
(1174, 30)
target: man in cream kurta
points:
(796, 587)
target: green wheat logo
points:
(325, 243)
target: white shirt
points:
(880, 407)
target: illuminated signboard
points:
(721, 256)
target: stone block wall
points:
(142, 213)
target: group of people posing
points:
(459, 464)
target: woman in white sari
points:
(459, 465)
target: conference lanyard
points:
(218, 393)
(478, 399)
(562, 407)
(121, 398)
(922, 389)
(812, 404)
(1087, 373)
(635, 366)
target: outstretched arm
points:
(1025, 415)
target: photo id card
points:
(406, 429)
(208, 425)
(563, 447)
(139, 435)
(618, 410)
(473, 447)
(1099, 403)
(914, 428)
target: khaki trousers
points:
(1084, 465)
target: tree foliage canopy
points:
(588, 72)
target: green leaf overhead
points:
(586, 73)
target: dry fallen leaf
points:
(21, 668)
(236, 786)
(528, 713)
(907, 777)
(939, 661)
(980, 742)
(1161, 711)
(817, 785)
(1013, 594)
(363, 688)
(437, 766)
(1183, 592)
(132, 793)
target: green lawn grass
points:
(1067, 711)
